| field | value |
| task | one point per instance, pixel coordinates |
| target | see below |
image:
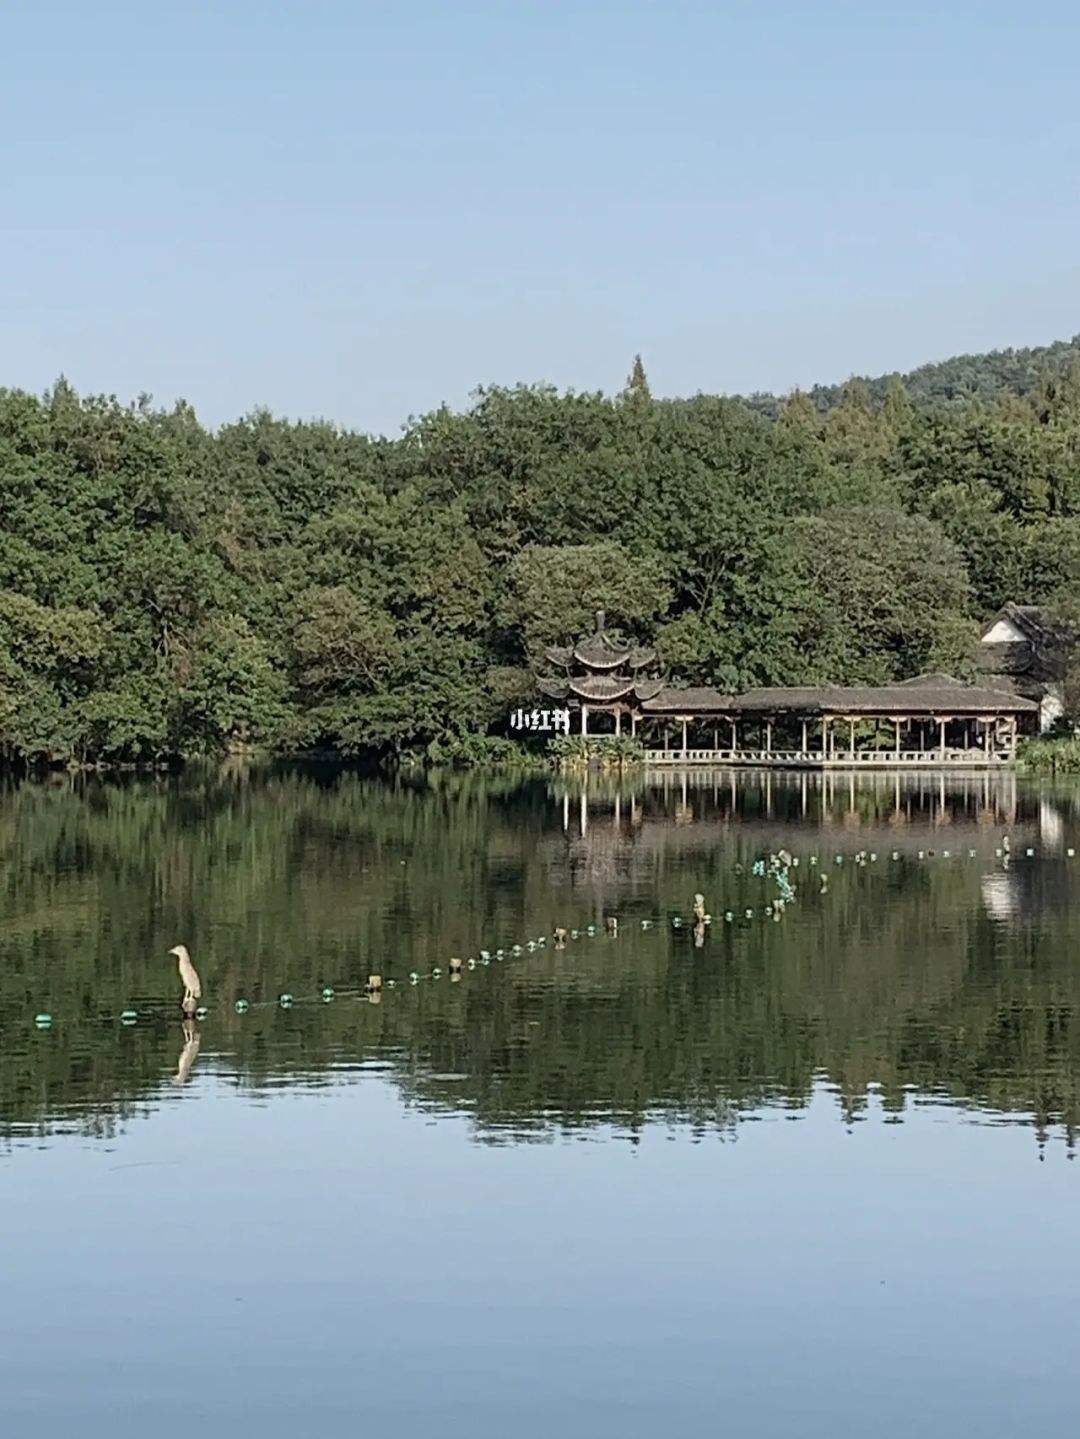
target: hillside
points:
(952, 382)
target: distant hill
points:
(955, 381)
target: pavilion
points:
(929, 720)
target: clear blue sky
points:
(362, 209)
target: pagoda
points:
(602, 675)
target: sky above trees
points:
(360, 210)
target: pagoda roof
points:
(602, 688)
(601, 652)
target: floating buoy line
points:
(775, 867)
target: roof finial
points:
(600, 618)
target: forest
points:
(168, 590)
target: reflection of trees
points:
(901, 974)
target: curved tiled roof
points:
(647, 689)
(603, 688)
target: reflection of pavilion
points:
(929, 721)
(974, 808)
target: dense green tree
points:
(166, 589)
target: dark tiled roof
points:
(1020, 658)
(601, 687)
(689, 701)
(600, 651)
(1032, 619)
(927, 694)
(931, 697)
(647, 689)
(600, 657)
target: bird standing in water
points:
(190, 976)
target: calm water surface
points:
(800, 1175)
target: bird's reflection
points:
(189, 1053)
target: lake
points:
(804, 1170)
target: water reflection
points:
(189, 1052)
(948, 976)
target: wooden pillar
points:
(851, 737)
(633, 722)
(768, 736)
(618, 720)
(734, 735)
(897, 724)
(941, 723)
(584, 719)
(716, 737)
(684, 735)
(804, 736)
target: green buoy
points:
(201, 1012)
(241, 1006)
(285, 1000)
(129, 1016)
(43, 1021)
(327, 994)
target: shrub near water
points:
(604, 751)
(1051, 756)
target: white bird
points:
(189, 974)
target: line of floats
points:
(776, 867)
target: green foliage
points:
(473, 751)
(603, 751)
(166, 590)
(554, 592)
(1050, 756)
